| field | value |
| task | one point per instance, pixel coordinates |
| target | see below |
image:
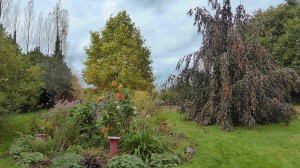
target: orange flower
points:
(120, 96)
(104, 129)
(114, 84)
(120, 87)
(100, 99)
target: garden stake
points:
(164, 126)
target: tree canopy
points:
(232, 80)
(281, 32)
(40, 74)
(20, 81)
(118, 53)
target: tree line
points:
(280, 27)
(32, 52)
(30, 30)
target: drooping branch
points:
(232, 80)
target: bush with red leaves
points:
(94, 162)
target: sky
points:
(164, 24)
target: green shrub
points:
(68, 160)
(42, 146)
(74, 149)
(85, 116)
(94, 152)
(157, 118)
(126, 161)
(164, 160)
(20, 82)
(141, 143)
(29, 158)
(143, 102)
(67, 134)
(57, 124)
(69, 123)
(42, 124)
(21, 145)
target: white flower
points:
(118, 107)
(134, 112)
(147, 116)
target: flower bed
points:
(76, 134)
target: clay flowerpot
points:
(164, 127)
(113, 142)
(40, 137)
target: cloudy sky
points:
(164, 24)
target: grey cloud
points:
(149, 3)
(192, 41)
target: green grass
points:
(13, 125)
(266, 146)
(273, 145)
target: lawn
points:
(273, 145)
(16, 123)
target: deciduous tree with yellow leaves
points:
(118, 53)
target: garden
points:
(262, 147)
(78, 134)
(232, 103)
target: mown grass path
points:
(266, 146)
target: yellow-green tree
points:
(118, 53)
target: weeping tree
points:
(232, 80)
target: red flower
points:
(120, 96)
(104, 129)
(114, 84)
(100, 99)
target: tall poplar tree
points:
(61, 23)
(28, 23)
(15, 20)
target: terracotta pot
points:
(39, 137)
(113, 142)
